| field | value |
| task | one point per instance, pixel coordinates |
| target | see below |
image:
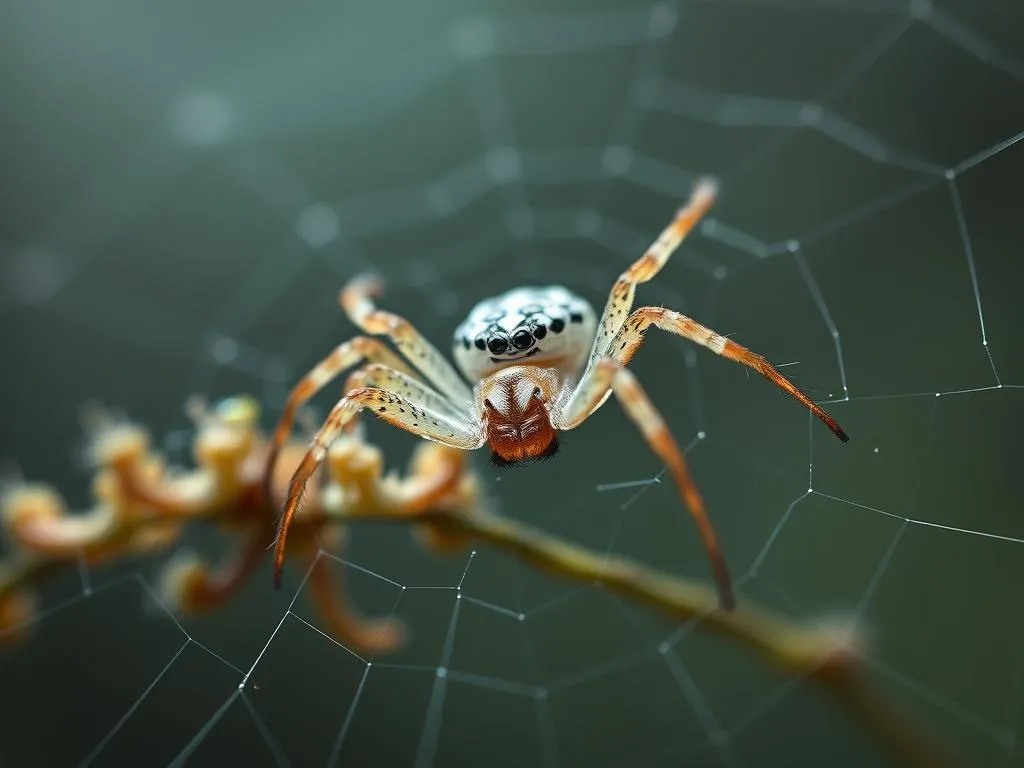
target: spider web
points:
(186, 191)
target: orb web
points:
(864, 242)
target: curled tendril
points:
(142, 504)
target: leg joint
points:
(608, 366)
(365, 345)
(373, 369)
(356, 398)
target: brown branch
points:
(828, 655)
(140, 508)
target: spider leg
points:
(394, 408)
(628, 339)
(609, 376)
(385, 377)
(620, 300)
(357, 301)
(343, 356)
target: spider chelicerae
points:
(541, 363)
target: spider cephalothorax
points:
(548, 326)
(539, 363)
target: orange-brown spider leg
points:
(609, 376)
(620, 301)
(344, 356)
(391, 407)
(631, 335)
(357, 299)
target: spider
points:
(541, 363)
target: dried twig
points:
(142, 505)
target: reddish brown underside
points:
(520, 434)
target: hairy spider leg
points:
(357, 301)
(620, 300)
(341, 358)
(391, 407)
(629, 338)
(609, 376)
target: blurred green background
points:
(186, 186)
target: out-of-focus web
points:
(500, 163)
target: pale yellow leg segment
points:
(626, 342)
(608, 374)
(393, 408)
(343, 357)
(647, 266)
(357, 301)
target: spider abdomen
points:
(549, 326)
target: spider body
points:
(539, 362)
(548, 326)
(521, 348)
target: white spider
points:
(540, 364)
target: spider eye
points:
(558, 325)
(481, 342)
(540, 331)
(497, 345)
(522, 339)
(537, 393)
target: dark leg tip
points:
(727, 601)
